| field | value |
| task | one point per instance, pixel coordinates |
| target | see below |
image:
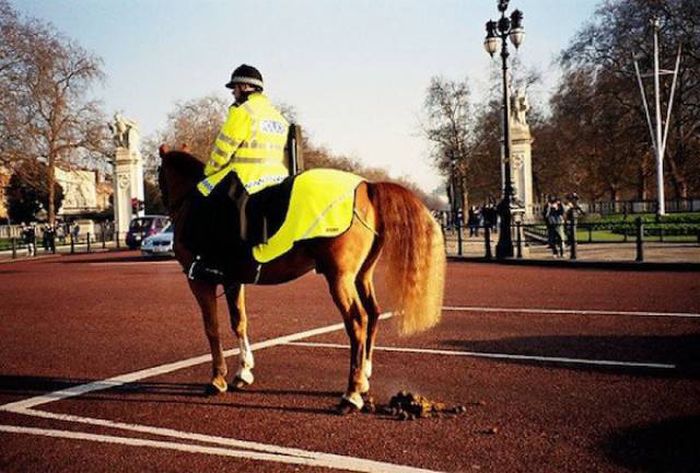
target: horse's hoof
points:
(239, 384)
(214, 389)
(346, 408)
(350, 403)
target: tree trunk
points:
(614, 194)
(643, 181)
(680, 183)
(642, 185)
(676, 159)
(465, 196)
(51, 173)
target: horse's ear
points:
(162, 149)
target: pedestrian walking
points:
(572, 212)
(489, 216)
(61, 234)
(29, 238)
(554, 217)
(50, 238)
(474, 220)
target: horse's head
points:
(179, 172)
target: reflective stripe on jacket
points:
(251, 143)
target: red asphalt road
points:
(67, 321)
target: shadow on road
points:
(36, 385)
(117, 260)
(680, 350)
(669, 445)
(168, 393)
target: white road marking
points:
(504, 356)
(690, 315)
(251, 450)
(317, 460)
(120, 380)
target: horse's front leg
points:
(205, 293)
(235, 296)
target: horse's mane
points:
(184, 163)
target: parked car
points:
(143, 227)
(160, 244)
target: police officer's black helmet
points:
(245, 74)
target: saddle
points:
(261, 214)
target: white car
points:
(160, 244)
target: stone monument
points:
(128, 172)
(521, 152)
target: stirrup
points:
(200, 272)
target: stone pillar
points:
(521, 153)
(128, 173)
(521, 168)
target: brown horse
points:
(388, 220)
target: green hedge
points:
(6, 244)
(693, 217)
(656, 229)
(629, 228)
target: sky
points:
(356, 72)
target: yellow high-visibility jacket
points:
(251, 143)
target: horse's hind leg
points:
(205, 293)
(346, 297)
(235, 297)
(365, 288)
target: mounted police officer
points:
(251, 142)
(247, 157)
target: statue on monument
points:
(125, 132)
(519, 106)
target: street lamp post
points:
(498, 32)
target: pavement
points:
(79, 248)
(657, 255)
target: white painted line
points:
(503, 356)
(252, 450)
(120, 380)
(690, 315)
(146, 429)
(114, 382)
(190, 436)
(322, 460)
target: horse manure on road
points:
(410, 406)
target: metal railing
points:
(479, 240)
(71, 243)
(629, 207)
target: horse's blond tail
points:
(414, 250)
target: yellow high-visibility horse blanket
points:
(321, 205)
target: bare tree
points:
(604, 48)
(448, 127)
(194, 123)
(46, 114)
